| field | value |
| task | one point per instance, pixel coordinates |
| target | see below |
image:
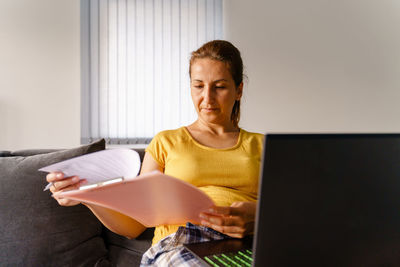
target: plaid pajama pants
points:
(171, 252)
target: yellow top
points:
(225, 175)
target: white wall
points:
(313, 66)
(318, 66)
(39, 74)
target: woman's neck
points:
(214, 136)
(213, 128)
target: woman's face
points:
(213, 91)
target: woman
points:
(213, 154)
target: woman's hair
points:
(226, 52)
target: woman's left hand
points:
(235, 221)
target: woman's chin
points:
(209, 115)
(211, 118)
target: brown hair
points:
(226, 52)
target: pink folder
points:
(152, 199)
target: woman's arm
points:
(149, 164)
(115, 221)
(236, 220)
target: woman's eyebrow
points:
(220, 80)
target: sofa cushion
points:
(34, 229)
(127, 252)
(31, 152)
(4, 153)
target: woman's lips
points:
(209, 109)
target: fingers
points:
(233, 226)
(225, 210)
(61, 184)
(236, 209)
(54, 176)
(236, 220)
(64, 201)
(223, 220)
(231, 229)
(69, 187)
(66, 184)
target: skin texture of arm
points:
(117, 222)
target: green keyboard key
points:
(237, 259)
(245, 256)
(242, 261)
(230, 260)
(211, 262)
(221, 261)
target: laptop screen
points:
(329, 200)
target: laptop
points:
(324, 200)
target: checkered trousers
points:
(171, 252)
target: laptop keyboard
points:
(238, 258)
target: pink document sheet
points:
(152, 199)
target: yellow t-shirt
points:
(225, 175)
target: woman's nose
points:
(208, 93)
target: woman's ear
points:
(239, 91)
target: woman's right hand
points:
(61, 184)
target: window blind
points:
(135, 60)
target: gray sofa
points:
(36, 231)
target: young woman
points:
(212, 153)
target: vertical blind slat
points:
(210, 19)
(93, 69)
(140, 66)
(103, 68)
(157, 64)
(112, 68)
(218, 19)
(121, 66)
(184, 49)
(130, 48)
(148, 68)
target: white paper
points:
(99, 166)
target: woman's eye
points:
(220, 87)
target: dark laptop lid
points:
(329, 200)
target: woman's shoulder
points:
(171, 132)
(252, 141)
(170, 135)
(165, 140)
(252, 135)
